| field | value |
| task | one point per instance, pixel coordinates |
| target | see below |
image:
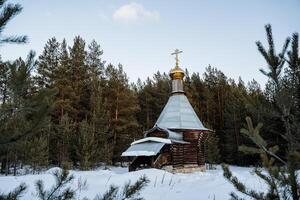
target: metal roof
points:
(144, 149)
(179, 114)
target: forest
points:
(69, 107)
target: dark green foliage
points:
(212, 150)
(132, 191)
(15, 194)
(86, 149)
(129, 191)
(48, 64)
(24, 111)
(152, 96)
(279, 169)
(281, 181)
(24, 103)
(122, 108)
(37, 152)
(275, 62)
(60, 190)
(81, 106)
(61, 138)
(7, 12)
(111, 194)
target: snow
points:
(153, 139)
(163, 185)
(139, 153)
(144, 149)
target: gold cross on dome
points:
(176, 52)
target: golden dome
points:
(176, 74)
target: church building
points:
(176, 141)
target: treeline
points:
(68, 107)
(80, 111)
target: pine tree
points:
(129, 191)
(63, 83)
(281, 181)
(212, 150)
(293, 72)
(79, 80)
(4, 79)
(60, 190)
(87, 147)
(48, 63)
(26, 111)
(24, 101)
(122, 109)
(275, 62)
(100, 124)
(15, 194)
(280, 174)
(9, 11)
(37, 153)
(94, 60)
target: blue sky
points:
(142, 34)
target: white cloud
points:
(133, 12)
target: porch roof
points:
(144, 149)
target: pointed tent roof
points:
(179, 114)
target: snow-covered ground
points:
(163, 185)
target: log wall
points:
(157, 133)
(180, 155)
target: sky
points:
(142, 34)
